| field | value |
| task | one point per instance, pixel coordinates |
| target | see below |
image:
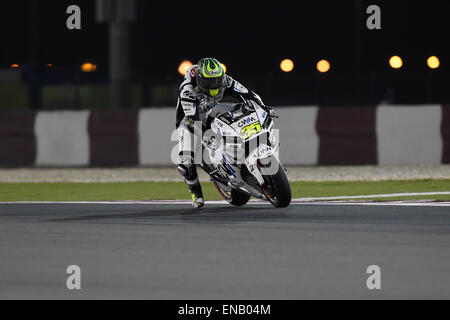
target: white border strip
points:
(368, 196)
(390, 203)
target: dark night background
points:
(251, 41)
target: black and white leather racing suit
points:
(195, 106)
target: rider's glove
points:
(269, 111)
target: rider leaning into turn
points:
(204, 85)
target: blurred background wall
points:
(309, 135)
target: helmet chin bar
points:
(213, 92)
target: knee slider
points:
(188, 171)
(183, 170)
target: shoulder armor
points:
(239, 87)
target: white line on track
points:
(390, 203)
(386, 195)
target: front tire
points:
(235, 197)
(276, 188)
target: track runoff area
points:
(361, 243)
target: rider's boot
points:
(197, 195)
(189, 172)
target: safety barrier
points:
(309, 135)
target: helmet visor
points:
(210, 83)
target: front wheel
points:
(234, 197)
(276, 186)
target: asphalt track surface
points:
(171, 251)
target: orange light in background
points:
(15, 65)
(49, 65)
(323, 66)
(287, 65)
(433, 62)
(184, 66)
(88, 67)
(224, 68)
(396, 62)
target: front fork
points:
(260, 163)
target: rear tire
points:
(277, 188)
(235, 197)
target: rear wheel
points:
(276, 186)
(234, 197)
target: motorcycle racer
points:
(205, 85)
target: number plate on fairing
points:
(249, 130)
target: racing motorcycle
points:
(242, 153)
